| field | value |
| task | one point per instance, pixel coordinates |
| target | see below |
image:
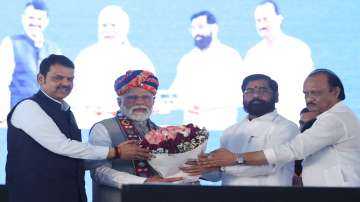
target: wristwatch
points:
(240, 159)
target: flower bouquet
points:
(172, 146)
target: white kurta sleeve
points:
(278, 136)
(327, 130)
(250, 171)
(43, 130)
(212, 176)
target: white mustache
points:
(133, 108)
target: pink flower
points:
(174, 139)
(154, 137)
(174, 130)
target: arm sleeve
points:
(284, 134)
(250, 171)
(7, 65)
(212, 176)
(234, 80)
(326, 131)
(102, 171)
(43, 130)
(177, 82)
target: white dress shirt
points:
(260, 133)
(288, 61)
(211, 80)
(32, 119)
(104, 174)
(330, 148)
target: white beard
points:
(129, 112)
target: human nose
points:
(193, 32)
(259, 23)
(256, 94)
(66, 82)
(139, 100)
(309, 97)
(35, 21)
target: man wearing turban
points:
(136, 91)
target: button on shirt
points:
(263, 132)
(330, 148)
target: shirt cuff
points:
(270, 156)
(102, 152)
(141, 180)
(133, 179)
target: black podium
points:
(3, 193)
(179, 193)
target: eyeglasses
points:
(260, 91)
(145, 98)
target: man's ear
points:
(119, 101)
(281, 18)
(215, 29)
(276, 97)
(40, 78)
(47, 20)
(336, 90)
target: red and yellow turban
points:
(136, 79)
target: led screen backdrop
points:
(160, 28)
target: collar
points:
(339, 106)
(64, 105)
(215, 42)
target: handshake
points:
(131, 150)
(210, 161)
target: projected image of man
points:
(21, 54)
(208, 77)
(111, 55)
(285, 58)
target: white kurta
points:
(287, 61)
(330, 148)
(263, 132)
(96, 69)
(210, 80)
